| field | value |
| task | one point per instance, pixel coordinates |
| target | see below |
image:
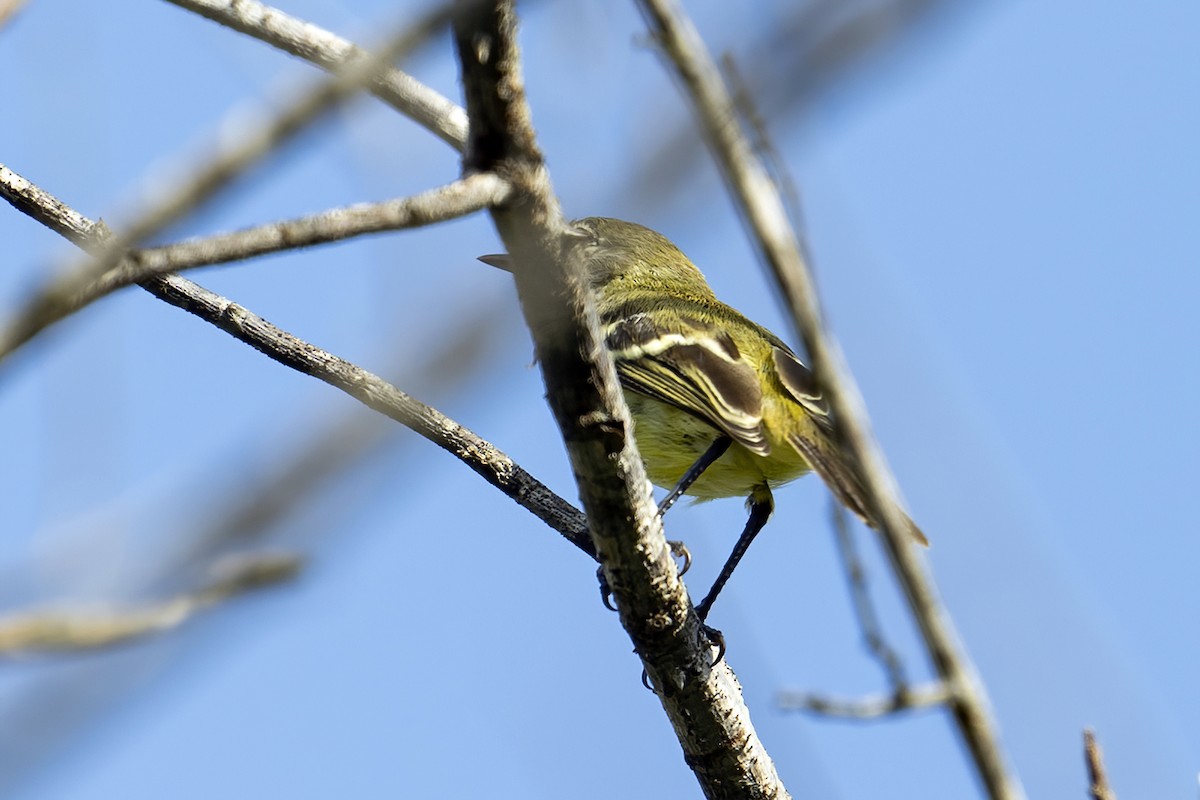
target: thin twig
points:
(312, 43)
(238, 153)
(760, 204)
(460, 198)
(864, 609)
(908, 698)
(702, 700)
(901, 696)
(481, 456)
(32, 632)
(464, 196)
(1098, 787)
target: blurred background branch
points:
(907, 698)
(64, 631)
(8, 10)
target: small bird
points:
(721, 406)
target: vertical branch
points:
(702, 700)
(760, 204)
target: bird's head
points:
(626, 257)
(635, 258)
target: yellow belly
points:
(671, 440)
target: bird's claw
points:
(679, 550)
(605, 590)
(717, 640)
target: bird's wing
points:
(693, 366)
(815, 443)
(800, 384)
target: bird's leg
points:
(761, 505)
(714, 451)
(706, 459)
(678, 549)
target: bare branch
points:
(64, 631)
(458, 199)
(235, 156)
(901, 697)
(486, 460)
(703, 701)
(762, 208)
(1097, 776)
(305, 40)
(908, 698)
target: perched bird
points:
(721, 406)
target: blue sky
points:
(1001, 210)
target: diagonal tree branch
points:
(310, 42)
(864, 609)
(254, 142)
(481, 456)
(702, 700)
(478, 454)
(761, 206)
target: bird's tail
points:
(844, 481)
